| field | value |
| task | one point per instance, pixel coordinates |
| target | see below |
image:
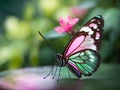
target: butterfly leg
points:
(68, 73)
(59, 74)
(55, 73)
(51, 71)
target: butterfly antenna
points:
(52, 67)
(47, 41)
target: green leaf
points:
(53, 34)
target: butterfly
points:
(81, 54)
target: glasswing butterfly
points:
(81, 53)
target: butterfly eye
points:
(58, 55)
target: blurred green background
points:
(21, 45)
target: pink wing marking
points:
(81, 43)
(73, 66)
(93, 25)
(87, 44)
(97, 35)
(75, 44)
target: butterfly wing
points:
(85, 62)
(94, 28)
(87, 39)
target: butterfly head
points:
(61, 60)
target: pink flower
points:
(66, 25)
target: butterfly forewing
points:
(89, 37)
(94, 28)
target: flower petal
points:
(68, 19)
(59, 29)
(66, 25)
(74, 21)
(62, 21)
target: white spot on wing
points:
(92, 20)
(87, 29)
(98, 22)
(95, 27)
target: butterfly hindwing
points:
(85, 62)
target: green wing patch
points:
(87, 61)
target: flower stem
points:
(72, 32)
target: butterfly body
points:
(81, 54)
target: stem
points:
(72, 32)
